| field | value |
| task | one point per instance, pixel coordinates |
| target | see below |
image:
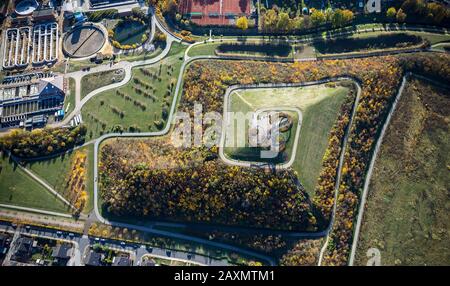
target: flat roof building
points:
(93, 259)
(35, 96)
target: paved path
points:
(227, 106)
(34, 210)
(82, 242)
(370, 170)
(165, 131)
(42, 182)
(14, 214)
(376, 151)
(127, 66)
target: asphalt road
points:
(81, 243)
(127, 66)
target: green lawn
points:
(75, 65)
(140, 112)
(320, 106)
(433, 38)
(208, 49)
(367, 42)
(407, 211)
(94, 81)
(204, 49)
(55, 171)
(140, 56)
(69, 100)
(17, 188)
(372, 41)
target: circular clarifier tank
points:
(83, 41)
(26, 7)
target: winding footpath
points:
(128, 66)
(125, 65)
(363, 198)
(374, 157)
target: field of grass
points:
(258, 49)
(433, 38)
(362, 43)
(55, 172)
(17, 188)
(407, 211)
(69, 101)
(203, 49)
(236, 48)
(140, 56)
(93, 81)
(372, 41)
(78, 65)
(320, 106)
(128, 110)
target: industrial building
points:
(28, 100)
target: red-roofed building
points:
(214, 12)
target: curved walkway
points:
(33, 210)
(226, 119)
(370, 170)
(373, 161)
(127, 67)
(165, 131)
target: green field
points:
(94, 81)
(320, 106)
(372, 41)
(407, 211)
(76, 65)
(21, 190)
(433, 38)
(56, 170)
(251, 48)
(133, 111)
(203, 49)
(140, 55)
(69, 100)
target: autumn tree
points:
(270, 20)
(437, 12)
(317, 17)
(391, 13)
(401, 16)
(242, 23)
(283, 22)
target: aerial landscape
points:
(224, 133)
